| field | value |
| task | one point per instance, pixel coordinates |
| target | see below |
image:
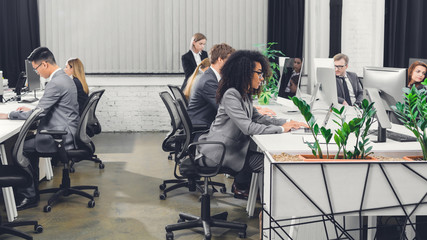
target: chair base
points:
(187, 221)
(94, 159)
(192, 186)
(7, 228)
(65, 190)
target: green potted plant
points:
(270, 87)
(358, 126)
(413, 114)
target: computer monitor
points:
(328, 85)
(33, 80)
(319, 62)
(389, 82)
(286, 75)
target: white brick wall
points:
(133, 104)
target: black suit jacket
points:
(357, 88)
(189, 64)
(286, 77)
(81, 95)
(202, 107)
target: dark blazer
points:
(189, 64)
(202, 106)
(61, 112)
(357, 88)
(236, 120)
(81, 95)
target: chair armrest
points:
(199, 127)
(56, 134)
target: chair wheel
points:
(223, 190)
(242, 234)
(163, 196)
(96, 193)
(162, 186)
(169, 236)
(170, 157)
(38, 228)
(72, 170)
(47, 208)
(101, 166)
(91, 204)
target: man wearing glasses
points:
(349, 89)
(61, 112)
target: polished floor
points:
(129, 206)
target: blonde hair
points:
(191, 81)
(196, 37)
(78, 72)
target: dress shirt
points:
(218, 76)
(350, 89)
(197, 57)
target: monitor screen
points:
(33, 79)
(287, 87)
(319, 62)
(328, 85)
(389, 82)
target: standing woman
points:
(74, 68)
(237, 119)
(194, 56)
(417, 74)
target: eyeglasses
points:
(35, 69)
(339, 66)
(260, 74)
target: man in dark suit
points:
(202, 106)
(349, 89)
(61, 112)
(285, 84)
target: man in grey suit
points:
(349, 89)
(60, 112)
(202, 106)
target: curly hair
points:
(237, 73)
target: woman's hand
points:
(293, 125)
(265, 111)
(23, 109)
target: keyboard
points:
(398, 137)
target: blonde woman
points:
(201, 68)
(74, 68)
(194, 56)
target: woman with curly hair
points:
(237, 118)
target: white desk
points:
(302, 189)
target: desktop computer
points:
(33, 81)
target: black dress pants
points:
(254, 162)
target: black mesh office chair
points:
(83, 151)
(174, 141)
(190, 168)
(84, 134)
(15, 176)
(178, 94)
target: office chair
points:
(190, 168)
(16, 176)
(178, 94)
(175, 141)
(83, 137)
(83, 151)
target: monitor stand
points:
(31, 100)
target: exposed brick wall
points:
(133, 104)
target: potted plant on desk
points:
(270, 88)
(413, 114)
(358, 126)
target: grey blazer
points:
(235, 121)
(61, 112)
(202, 106)
(357, 88)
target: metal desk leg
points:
(372, 230)
(9, 198)
(45, 161)
(250, 207)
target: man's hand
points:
(293, 125)
(3, 116)
(265, 111)
(345, 103)
(23, 109)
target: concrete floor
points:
(129, 206)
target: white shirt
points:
(197, 57)
(51, 75)
(218, 76)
